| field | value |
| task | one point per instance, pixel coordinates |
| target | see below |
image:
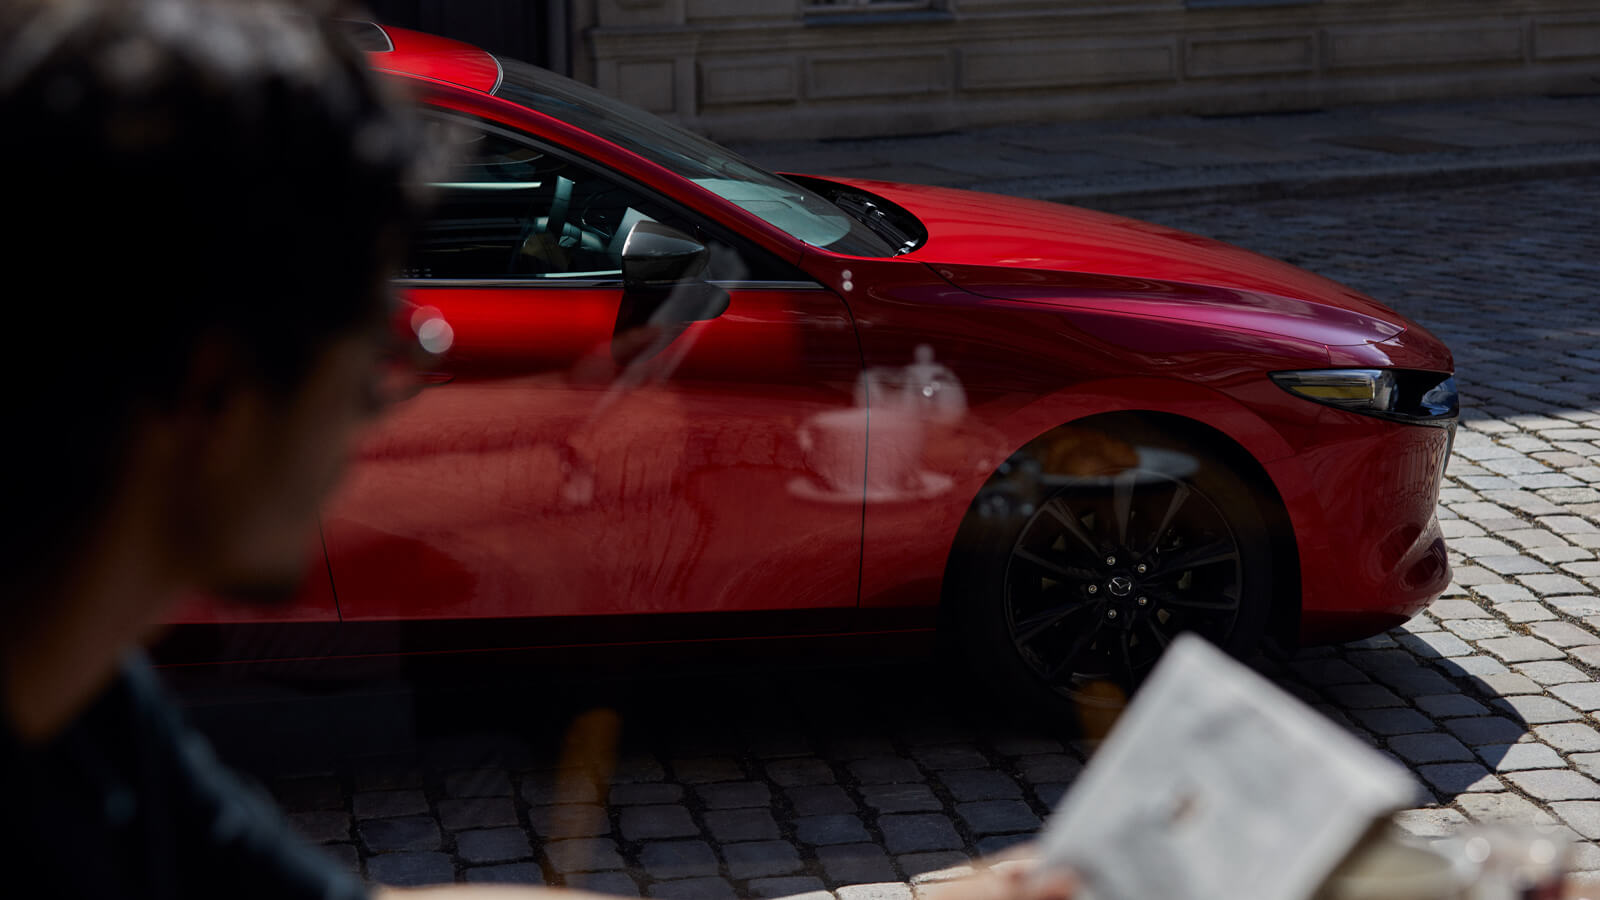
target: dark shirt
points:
(130, 802)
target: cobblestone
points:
(493, 845)
(411, 869)
(732, 825)
(584, 855)
(834, 829)
(761, 858)
(1555, 784)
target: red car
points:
(677, 397)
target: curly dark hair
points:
(178, 170)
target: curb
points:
(1227, 187)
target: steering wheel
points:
(555, 221)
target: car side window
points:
(509, 209)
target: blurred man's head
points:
(205, 200)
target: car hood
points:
(1014, 249)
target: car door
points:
(568, 456)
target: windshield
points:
(776, 200)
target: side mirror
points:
(656, 257)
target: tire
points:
(1065, 588)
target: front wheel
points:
(1069, 587)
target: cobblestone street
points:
(867, 782)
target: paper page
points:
(1217, 785)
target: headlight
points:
(1404, 395)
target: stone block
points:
(916, 833)
(1569, 737)
(477, 812)
(584, 855)
(572, 820)
(384, 804)
(980, 785)
(1537, 710)
(1584, 695)
(760, 859)
(677, 859)
(1516, 757)
(734, 795)
(1450, 705)
(950, 756)
(730, 825)
(1426, 748)
(411, 869)
(478, 783)
(1392, 721)
(794, 887)
(856, 863)
(997, 816)
(1521, 649)
(1236, 54)
(1551, 672)
(887, 890)
(820, 800)
(493, 845)
(400, 833)
(618, 884)
(886, 771)
(763, 79)
(1458, 778)
(710, 888)
(1555, 784)
(321, 826)
(643, 794)
(897, 798)
(1504, 807)
(799, 772)
(1483, 730)
(705, 770)
(830, 829)
(558, 788)
(877, 74)
(1050, 64)
(645, 823)
(1430, 823)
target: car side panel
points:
(1026, 369)
(561, 472)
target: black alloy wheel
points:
(1108, 571)
(1069, 584)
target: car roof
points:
(406, 52)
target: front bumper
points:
(1364, 501)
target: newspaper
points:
(1217, 785)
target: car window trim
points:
(619, 179)
(510, 282)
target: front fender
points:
(906, 546)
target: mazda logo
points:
(1121, 585)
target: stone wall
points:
(753, 69)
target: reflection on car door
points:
(525, 481)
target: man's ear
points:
(214, 374)
(217, 412)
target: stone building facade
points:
(762, 69)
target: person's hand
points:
(1015, 875)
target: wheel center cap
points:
(1120, 586)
